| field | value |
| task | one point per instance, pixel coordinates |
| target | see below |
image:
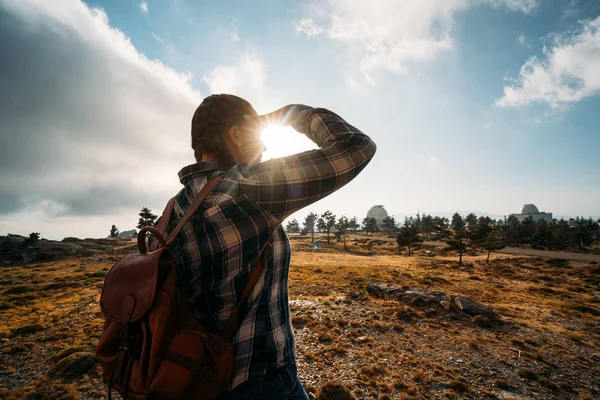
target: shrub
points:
(334, 390)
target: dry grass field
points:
(543, 341)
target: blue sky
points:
(464, 116)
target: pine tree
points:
(440, 227)
(342, 229)
(560, 235)
(583, 233)
(526, 230)
(293, 226)
(408, 234)
(32, 240)
(478, 231)
(458, 241)
(146, 218)
(471, 221)
(326, 223)
(389, 223)
(114, 232)
(542, 236)
(457, 223)
(492, 242)
(427, 225)
(354, 225)
(309, 225)
(512, 231)
(370, 225)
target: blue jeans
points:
(285, 385)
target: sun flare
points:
(284, 141)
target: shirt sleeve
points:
(285, 185)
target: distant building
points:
(530, 210)
(379, 213)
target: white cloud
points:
(569, 73)
(158, 38)
(525, 6)
(385, 35)
(521, 39)
(247, 75)
(82, 148)
(230, 32)
(388, 35)
(233, 35)
(308, 26)
(246, 78)
(144, 7)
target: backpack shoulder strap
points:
(164, 219)
(231, 326)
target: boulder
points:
(127, 233)
(376, 289)
(16, 249)
(71, 239)
(12, 248)
(99, 241)
(94, 246)
(424, 295)
(471, 307)
(418, 296)
(379, 289)
(50, 249)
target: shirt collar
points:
(199, 169)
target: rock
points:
(51, 249)
(93, 252)
(471, 307)
(11, 247)
(481, 321)
(376, 287)
(18, 249)
(92, 245)
(379, 289)
(420, 297)
(71, 239)
(411, 295)
(99, 241)
(128, 234)
(445, 305)
(123, 238)
(430, 311)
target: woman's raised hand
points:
(282, 116)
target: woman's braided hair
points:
(212, 118)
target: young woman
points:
(221, 243)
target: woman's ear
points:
(233, 136)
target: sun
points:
(284, 141)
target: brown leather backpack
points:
(152, 346)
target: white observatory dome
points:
(529, 209)
(377, 212)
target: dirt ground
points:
(541, 343)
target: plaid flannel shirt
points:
(220, 244)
